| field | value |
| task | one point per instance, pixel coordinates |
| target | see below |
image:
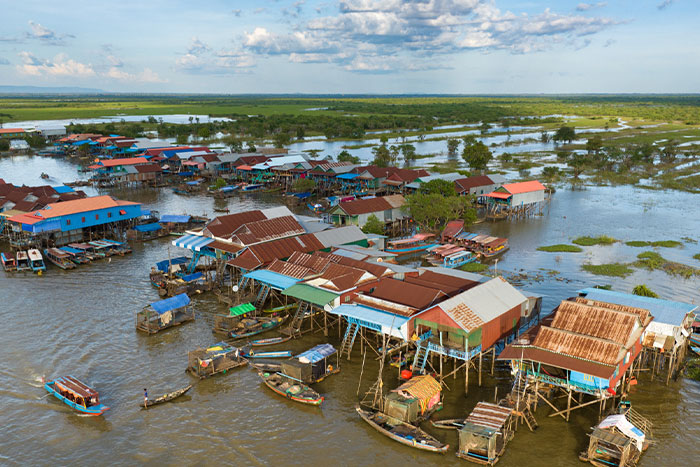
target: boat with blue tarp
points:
(76, 395)
(164, 314)
(76, 255)
(267, 354)
(215, 359)
(313, 365)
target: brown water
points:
(81, 322)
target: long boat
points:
(402, 432)
(23, 261)
(253, 187)
(291, 388)
(36, 261)
(261, 325)
(270, 341)
(9, 263)
(76, 256)
(76, 395)
(418, 242)
(449, 424)
(695, 338)
(166, 397)
(267, 354)
(60, 258)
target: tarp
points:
(74, 251)
(148, 227)
(172, 303)
(621, 423)
(241, 309)
(163, 265)
(310, 294)
(175, 218)
(273, 279)
(347, 176)
(63, 189)
(192, 277)
(303, 195)
(316, 354)
(187, 173)
(192, 242)
(193, 182)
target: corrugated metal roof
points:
(278, 211)
(316, 354)
(395, 201)
(273, 279)
(413, 295)
(664, 311)
(310, 294)
(615, 326)
(371, 252)
(524, 187)
(516, 352)
(224, 226)
(370, 315)
(317, 264)
(490, 416)
(364, 206)
(385, 305)
(640, 312)
(340, 236)
(289, 269)
(578, 345)
(488, 300)
(456, 273)
(76, 206)
(464, 184)
(266, 230)
(285, 247)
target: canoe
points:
(291, 388)
(695, 350)
(259, 327)
(402, 432)
(268, 354)
(166, 397)
(269, 341)
(695, 339)
(449, 424)
(269, 366)
(78, 392)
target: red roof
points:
(464, 184)
(65, 208)
(266, 230)
(11, 130)
(368, 205)
(524, 187)
(499, 195)
(244, 167)
(122, 161)
(224, 226)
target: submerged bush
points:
(561, 248)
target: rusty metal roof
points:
(641, 312)
(224, 226)
(339, 278)
(616, 326)
(490, 416)
(578, 345)
(404, 293)
(289, 269)
(246, 260)
(385, 305)
(364, 206)
(526, 352)
(463, 316)
(285, 247)
(396, 201)
(314, 262)
(224, 246)
(266, 230)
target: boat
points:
(695, 350)
(449, 424)
(291, 388)
(45, 176)
(253, 187)
(266, 354)
(60, 258)
(418, 242)
(485, 434)
(23, 261)
(36, 261)
(695, 338)
(402, 432)
(226, 191)
(9, 263)
(252, 326)
(76, 395)
(75, 255)
(227, 210)
(218, 358)
(164, 314)
(166, 397)
(270, 366)
(451, 256)
(270, 341)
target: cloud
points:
(201, 58)
(236, 13)
(665, 4)
(197, 47)
(590, 6)
(362, 34)
(46, 35)
(61, 65)
(115, 61)
(4, 61)
(145, 76)
(609, 42)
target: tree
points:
(373, 226)
(382, 157)
(301, 132)
(644, 291)
(4, 145)
(282, 139)
(440, 187)
(476, 154)
(345, 156)
(669, 151)
(234, 144)
(394, 153)
(432, 211)
(204, 132)
(408, 151)
(594, 144)
(484, 128)
(220, 183)
(544, 137)
(181, 139)
(302, 185)
(251, 146)
(550, 172)
(565, 133)
(577, 162)
(452, 145)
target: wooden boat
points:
(75, 255)
(448, 424)
(36, 261)
(60, 258)
(227, 210)
(269, 366)
(166, 397)
(402, 432)
(269, 341)
(267, 354)
(22, 261)
(418, 242)
(695, 350)
(253, 326)
(291, 388)
(695, 338)
(219, 358)
(9, 263)
(253, 187)
(45, 176)
(76, 395)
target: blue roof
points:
(69, 249)
(188, 173)
(163, 265)
(303, 195)
(192, 242)
(145, 212)
(347, 176)
(172, 303)
(193, 182)
(192, 277)
(317, 353)
(370, 315)
(175, 218)
(663, 311)
(63, 189)
(273, 279)
(148, 227)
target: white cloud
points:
(590, 6)
(197, 47)
(201, 58)
(145, 76)
(61, 65)
(115, 61)
(46, 35)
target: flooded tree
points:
(476, 154)
(564, 133)
(452, 146)
(345, 156)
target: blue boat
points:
(76, 395)
(36, 261)
(695, 338)
(253, 187)
(267, 354)
(418, 242)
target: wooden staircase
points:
(349, 339)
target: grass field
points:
(561, 248)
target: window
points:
(82, 220)
(67, 221)
(97, 216)
(109, 214)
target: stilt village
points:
(308, 267)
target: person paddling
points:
(145, 398)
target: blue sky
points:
(353, 46)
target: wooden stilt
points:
(480, 361)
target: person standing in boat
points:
(145, 397)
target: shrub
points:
(561, 248)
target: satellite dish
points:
(379, 260)
(234, 288)
(327, 307)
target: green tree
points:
(432, 211)
(233, 143)
(282, 139)
(565, 133)
(484, 128)
(302, 185)
(440, 187)
(220, 182)
(373, 226)
(594, 144)
(577, 162)
(408, 151)
(382, 157)
(476, 154)
(181, 139)
(644, 291)
(452, 146)
(301, 132)
(251, 146)
(345, 156)
(550, 172)
(544, 137)
(4, 145)
(669, 151)
(393, 154)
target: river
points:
(81, 322)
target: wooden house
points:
(165, 314)
(485, 433)
(387, 209)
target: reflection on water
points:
(81, 322)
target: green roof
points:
(310, 294)
(241, 309)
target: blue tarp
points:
(229, 188)
(317, 353)
(347, 176)
(163, 265)
(63, 189)
(80, 143)
(68, 249)
(304, 195)
(193, 182)
(175, 219)
(145, 212)
(148, 227)
(188, 173)
(273, 279)
(172, 303)
(192, 277)
(192, 242)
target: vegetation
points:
(590, 241)
(612, 269)
(565, 133)
(373, 226)
(303, 185)
(561, 248)
(697, 256)
(474, 267)
(644, 291)
(4, 144)
(637, 243)
(432, 209)
(345, 156)
(475, 153)
(220, 183)
(692, 369)
(660, 243)
(652, 260)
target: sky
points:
(354, 46)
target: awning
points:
(380, 319)
(192, 277)
(73, 251)
(347, 176)
(148, 227)
(163, 265)
(316, 354)
(310, 294)
(241, 309)
(273, 279)
(174, 219)
(499, 195)
(172, 303)
(192, 242)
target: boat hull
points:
(166, 397)
(435, 446)
(270, 341)
(275, 323)
(95, 411)
(317, 401)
